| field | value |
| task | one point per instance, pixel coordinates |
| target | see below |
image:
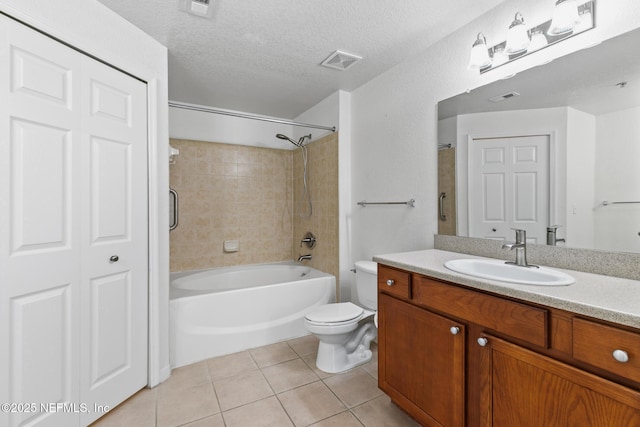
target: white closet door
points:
(114, 249)
(72, 194)
(39, 163)
(509, 187)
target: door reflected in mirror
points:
(554, 150)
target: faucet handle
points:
(521, 235)
(553, 227)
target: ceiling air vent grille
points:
(504, 97)
(339, 60)
(197, 7)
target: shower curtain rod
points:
(212, 110)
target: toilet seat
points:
(335, 314)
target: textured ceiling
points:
(263, 56)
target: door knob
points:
(114, 258)
(482, 341)
(390, 282)
(454, 330)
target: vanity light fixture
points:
(569, 19)
(565, 18)
(479, 58)
(538, 40)
(517, 36)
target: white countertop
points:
(602, 297)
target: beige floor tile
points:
(310, 360)
(272, 354)
(287, 375)
(266, 412)
(230, 365)
(242, 389)
(138, 410)
(304, 345)
(310, 403)
(185, 377)
(213, 421)
(178, 407)
(354, 387)
(371, 368)
(345, 419)
(380, 412)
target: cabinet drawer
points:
(394, 282)
(508, 317)
(595, 344)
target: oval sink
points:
(498, 270)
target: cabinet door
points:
(523, 388)
(421, 362)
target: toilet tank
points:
(367, 284)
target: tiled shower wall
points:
(232, 192)
(322, 169)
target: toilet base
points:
(338, 357)
(334, 358)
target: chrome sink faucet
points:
(521, 249)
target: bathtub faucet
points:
(304, 257)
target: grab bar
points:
(443, 217)
(173, 225)
(606, 203)
(410, 202)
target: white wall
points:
(202, 126)
(581, 181)
(617, 178)
(394, 121)
(91, 27)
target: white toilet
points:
(345, 330)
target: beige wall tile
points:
(254, 195)
(231, 192)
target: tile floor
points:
(275, 385)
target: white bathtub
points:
(226, 310)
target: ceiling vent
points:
(503, 97)
(197, 7)
(339, 60)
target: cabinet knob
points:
(454, 330)
(114, 258)
(621, 356)
(482, 341)
(391, 282)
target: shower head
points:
(297, 144)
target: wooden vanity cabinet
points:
(533, 366)
(422, 365)
(520, 387)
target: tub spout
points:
(304, 257)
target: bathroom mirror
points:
(558, 144)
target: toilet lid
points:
(334, 313)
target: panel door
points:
(39, 206)
(509, 187)
(522, 388)
(114, 247)
(421, 363)
(72, 187)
